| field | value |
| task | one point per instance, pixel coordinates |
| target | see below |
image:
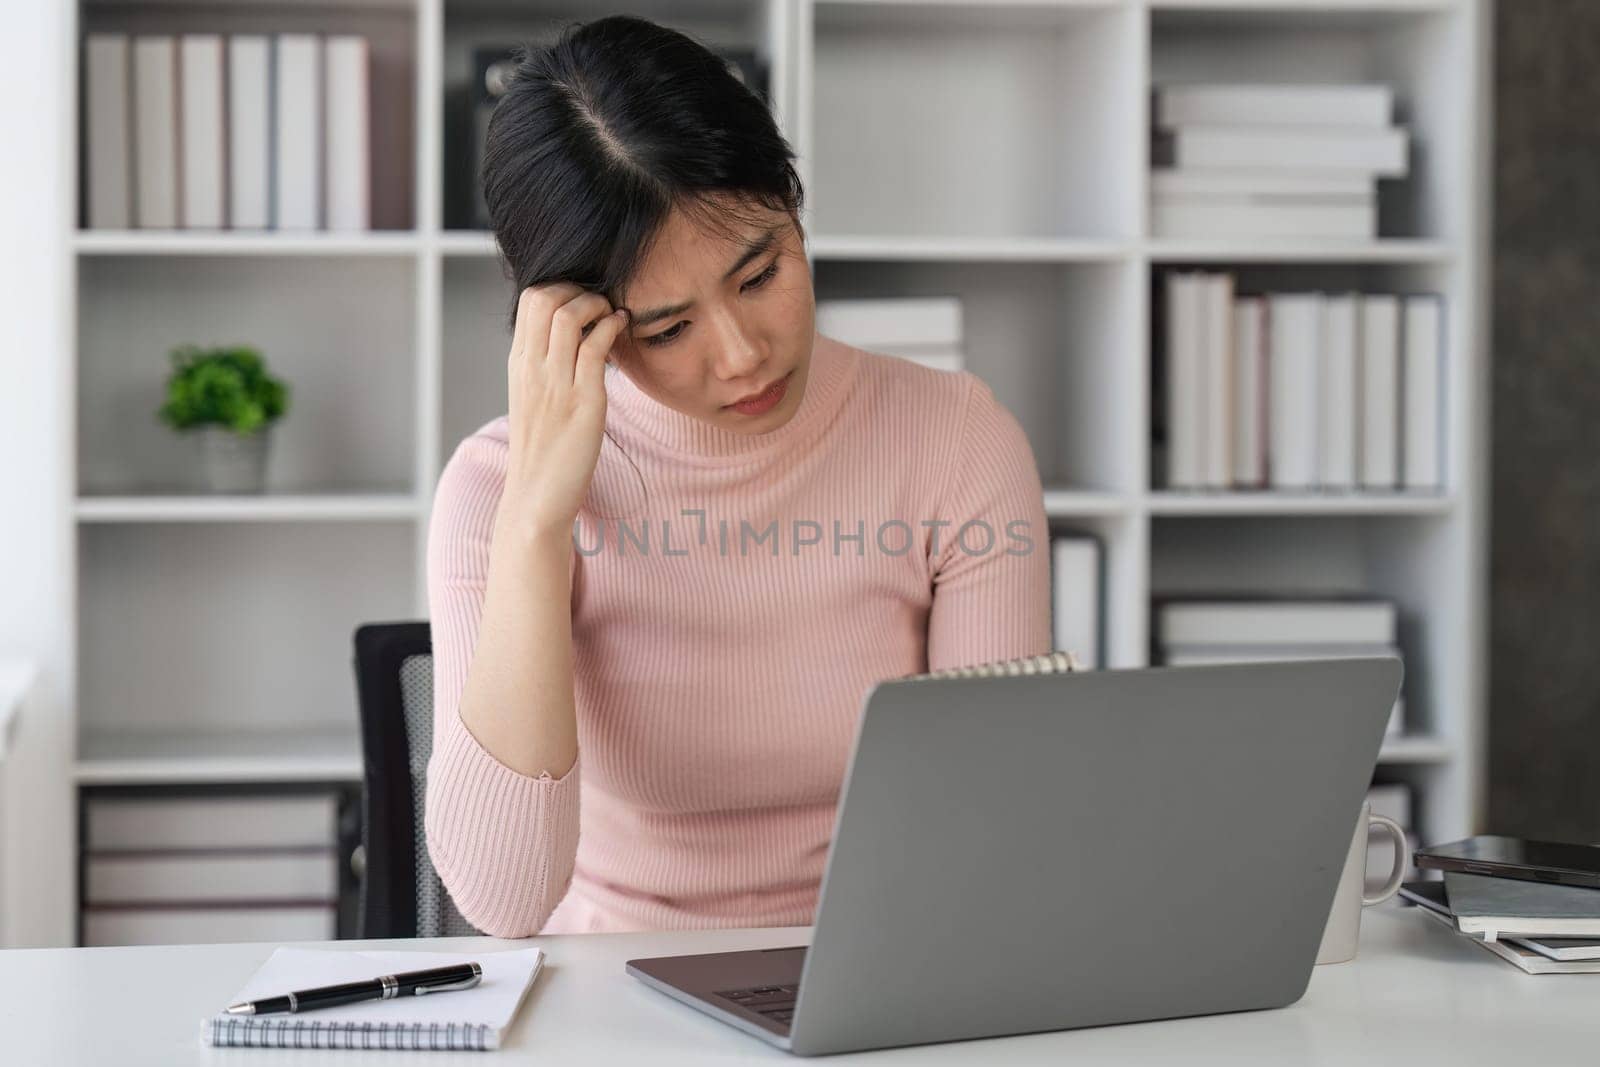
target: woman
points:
(643, 581)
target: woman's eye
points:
(665, 336)
(763, 278)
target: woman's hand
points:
(557, 403)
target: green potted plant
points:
(228, 400)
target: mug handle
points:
(1402, 855)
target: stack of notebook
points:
(1542, 928)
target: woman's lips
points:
(766, 401)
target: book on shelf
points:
(1300, 391)
(1265, 161)
(1077, 600)
(202, 868)
(155, 131)
(1348, 104)
(249, 131)
(108, 159)
(1336, 412)
(210, 131)
(1272, 622)
(924, 330)
(1379, 152)
(201, 137)
(1351, 218)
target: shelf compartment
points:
(390, 27)
(1271, 276)
(343, 339)
(1055, 343)
(240, 627)
(1420, 49)
(975, 120)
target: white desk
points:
(1417, 994)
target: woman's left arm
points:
(991, 574)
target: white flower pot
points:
(231, 463)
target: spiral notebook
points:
(460, 1020)
(1060, 661)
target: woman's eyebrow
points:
(758, 244)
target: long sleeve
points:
(991, 597)
(504, 843)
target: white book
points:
(249, 131)
(877, 323)
(1420, 463)
(1185, 655)
(1271, 623)
(155, 131)
(1185, 429)
(348, 145)
(1242, 104)
(1254, 182)
(1293, 347)
(1346, 219)
(1381, 153)
(203, 130)
(108, 164)
(1379, 377)
(1336, 417)
(298, 131)
(1249, 392)
(1075, 600)
(475, 1018)
(205, 925)
(1217, 378)
(129, 877)
(211, 822)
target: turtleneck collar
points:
(690, 439)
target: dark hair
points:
(597, 138)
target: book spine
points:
(288, 1031)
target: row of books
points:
(205, 869)
(1302, 390)
(1196, 631)
(1257, 160)
(925, 330)
(239, 131)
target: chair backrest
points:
(401, 894)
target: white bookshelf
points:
(996, 151)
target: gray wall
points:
(1544, 718)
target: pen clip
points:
(465, 983)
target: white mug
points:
(1340, 936)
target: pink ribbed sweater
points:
(718, 681)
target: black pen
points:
(384, 987)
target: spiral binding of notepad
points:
(288, 1031)
(1061, 661)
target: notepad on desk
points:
(468, 1019)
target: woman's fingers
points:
(589, 374)
(568, 326)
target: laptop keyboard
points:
(776, 1002)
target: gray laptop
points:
(1042, 852)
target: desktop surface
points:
(1417, 993)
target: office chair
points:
(401, 893)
